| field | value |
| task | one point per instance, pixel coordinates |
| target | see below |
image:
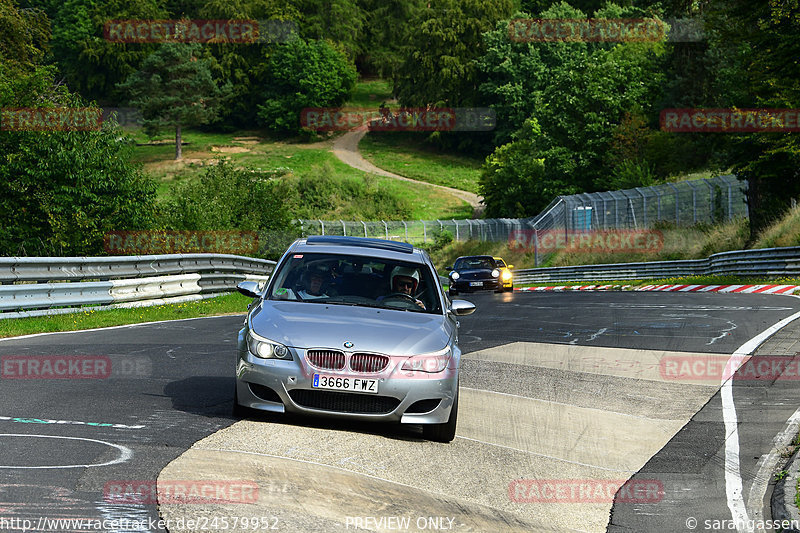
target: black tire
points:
(443, 432)
(452, 292)
(511, 288)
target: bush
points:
(302, 74)
(226, 198)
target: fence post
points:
(405, 226)
(321, 223)
(386, 227)
(677, 204)
(456, 224)
(644, 207)
(730, 200)
(694, 202)
(365, 227)
(424, 232)
(344, 228)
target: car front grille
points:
(327, 359)
(344, 402)
(368, 362)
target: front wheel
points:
(443, 432)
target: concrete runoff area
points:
(327, 475)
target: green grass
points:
(297, 159)
(408, 155)
(234, 303)
(371, 93)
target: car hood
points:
(316, 325)
(476, 272)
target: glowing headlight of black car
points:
(454, 275)
(495, 273)
(265, 348)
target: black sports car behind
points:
(474, 273)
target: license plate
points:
(369, 386)
(476, 284)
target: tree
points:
(175, 88)
(91, 64)
(341, 22)
(239, 63)
(756, 46)
(301, 74)
(439, 65)
(577, 95)
(385, 33)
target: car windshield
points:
(466, 263)
(356, 280)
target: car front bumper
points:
(485, 284)
(291, 383)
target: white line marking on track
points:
(125, 452)
(733, 478)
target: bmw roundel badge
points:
(348, 344)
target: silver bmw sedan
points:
(352, 327)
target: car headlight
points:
(454, 275)
(506, 275)
(429, 362)
(495, 273)
(265, 348)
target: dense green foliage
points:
(571, 116)
(298, 75)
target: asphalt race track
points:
(569, 390)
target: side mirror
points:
(510, 267)
(448, 268)
(248, 288)
(462, 307)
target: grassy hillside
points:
(378, 197)
(407, 154)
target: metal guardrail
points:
(53, 285)
(765, 262)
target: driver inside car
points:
(313, 279)
(404, 281)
